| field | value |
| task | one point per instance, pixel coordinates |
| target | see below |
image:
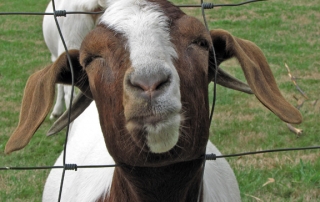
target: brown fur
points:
(135, 184)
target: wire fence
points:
(63, 13)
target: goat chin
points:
(86, 147)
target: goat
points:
(74, 29)
(146, 67)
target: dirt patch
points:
(271, 161)
(249, 137)
(303, 3)
(310, 195)
(299, 19)
(315, 75)
(250, 14)
(227, 116)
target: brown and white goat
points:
(147, 67)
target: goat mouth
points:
(150, 119)
(153, 120)
(159, 133)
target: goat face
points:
(153, 85)
(147, 66)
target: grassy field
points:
(288, 31)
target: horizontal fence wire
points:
(63, 13)
(207, 156)
(68, 167)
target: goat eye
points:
(202, 43)
(89, 59)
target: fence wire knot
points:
(207, 5)
(60, 13)
(211, 157)
(71, 167)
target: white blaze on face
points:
(146, 29)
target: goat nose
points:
(150, 85)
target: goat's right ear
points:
(39, 96)
(79, 104)
(257, 72)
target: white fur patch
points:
(86, 146)
(163, 136)
(147, 31)
(144, 25)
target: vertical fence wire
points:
(71, 98)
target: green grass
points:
(22, 51)
(288, 31)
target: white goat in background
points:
(74, 28)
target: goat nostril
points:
(161, 84)
(150, 83)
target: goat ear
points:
(226, 80)
(257, 72)
(39, 95)
(80, 103)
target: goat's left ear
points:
(257, 72)
(39, 96)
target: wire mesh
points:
(65, 166)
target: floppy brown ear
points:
(79, 104)
(257, 72)
(228, 81)
(39, 95)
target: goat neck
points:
(174, 183)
